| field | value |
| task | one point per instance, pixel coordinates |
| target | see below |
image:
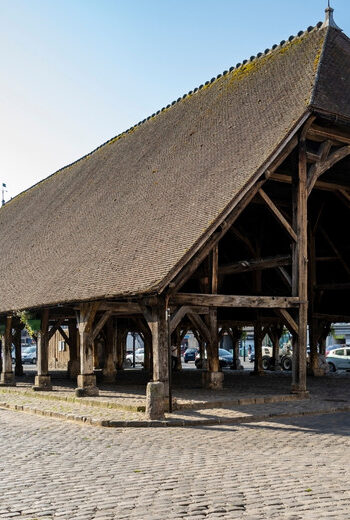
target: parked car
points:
(339, 359)
(29, 355)
(225, 359)
(190, 354)
(139, 357)
(333, 347)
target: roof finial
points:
(329, 21)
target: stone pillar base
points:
(86, 386)
(73, 368)
(213, 380)
(7, 379)
(155, 400)
(42, 383)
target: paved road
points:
(288, 469)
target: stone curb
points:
(199, 405)
(277, 398)
(76, 400)
(179, 423)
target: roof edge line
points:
(229, 208)
(196, 90)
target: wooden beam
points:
(181, 313)
(316, 132)
(326, 259)
(122, 307)
(64, 336)
(243, 238)
(282, 157)
(86, 316)
(334, 318)
(319, 168)
(275, 211)
(177, 317)
(335, 249)
(54, 328)
(215, 269)
(100, 324)
(344, 196)
(333, 286)
(225, 300)
(199, 324)
(289, 321)
(253, 264)
(319, 185)
(191, 267)
(285, 276)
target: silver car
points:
(339, 359)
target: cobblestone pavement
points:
(244, 397)
(284, 469)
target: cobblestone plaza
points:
(294, 468)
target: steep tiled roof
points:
(120, 220)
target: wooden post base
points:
(276, 368)
(155, 400)
(316, 372)
(260, 373)
(19, 370)
(300, 391)
(73, 368)
(109, 376)
(213, 380)
(236, 365)
(86, 386)
(7, 379)
(42, 383)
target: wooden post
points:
(299, 269)
(258, 338)
(213, 378)
(176, 349)
(236, 334)
(326, 328)
(18, 350)
(275, 333)
(109, 370)
(147, 360)
(74, 362)
(213, 347)
(43, 380)
(120, 346)
(313, 322)
(157, 322)
(86, 378)
(157, 395)
(7, 375)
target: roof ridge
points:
(320, 62)
(267, 51)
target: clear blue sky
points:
(77, 72)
